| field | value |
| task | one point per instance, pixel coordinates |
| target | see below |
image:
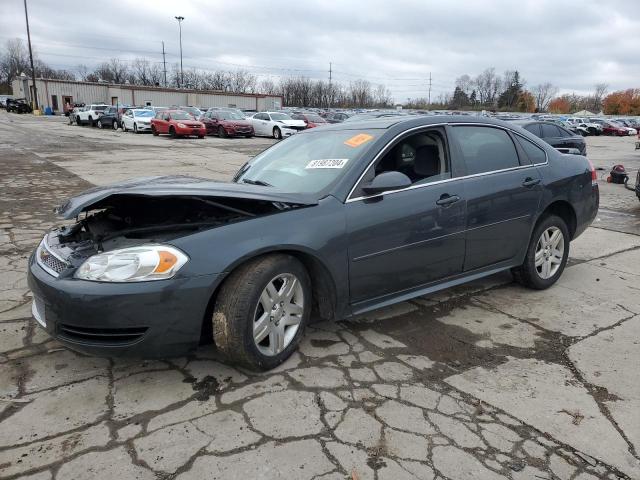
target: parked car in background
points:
(155, 109)
(610, 127)
(630, 125)
(3, 100)
(336, 117)
(311, 120)
(331, 223)
(275, 124)
(108, 119)
(579, 128)
(137, 119)
(177, 123)
(242, 113)
(592, 128)
(226, 124)
(18, 105)
(90, 113)
(558, 137)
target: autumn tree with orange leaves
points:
(622, 102)
(559, 105)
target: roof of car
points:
(388, 122)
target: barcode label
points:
(328, 163)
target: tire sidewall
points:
(544, 224)
(277, 134)
(294, 267)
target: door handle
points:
(530, 182)
(445, 200)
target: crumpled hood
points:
(179, 185)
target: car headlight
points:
(134, 264)
(182, 125)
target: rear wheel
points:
(277, 134)
(114, 125)
(261, 311)
(546, 256)
(221, 132)
(100, 124)
(154, 131)
(135, 128)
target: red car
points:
(177, 123)
(226, 123)
(614, 128)
(311, 119)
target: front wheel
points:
(261, 311)
(154, 131)
(546, 256)
(114, 125)
(277, 134)
(135, 128)
(221, 132)
(100, 124)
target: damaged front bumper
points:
(137, 319)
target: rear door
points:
(503, 190)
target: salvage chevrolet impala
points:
(330, 223)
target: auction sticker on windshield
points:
(358, 140)
(327, 163)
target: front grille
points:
(101, 336)
(48, 261)
(297, 128)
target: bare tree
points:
(598, 96)
(13, 62)
(464, 82)
(543, 93)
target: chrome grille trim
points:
(48, 260)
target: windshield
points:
(143, 113)
(280, 116)
(181, 116)
(315, 119)
(307, 163)
(230, 116)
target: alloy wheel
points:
(549, 252)
(278, 314)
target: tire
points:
(114, 125)
(249, 136)
(124, 128)
(154, 131)
(99, 124)
(240, 303)
(135, 128)
(200, 136)
(536, 276)
(221, 132)
(277, 134)
(172, 132)
(78, 120)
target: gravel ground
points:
(484, 381)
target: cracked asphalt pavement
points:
(485, 381)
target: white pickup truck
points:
(90, 113)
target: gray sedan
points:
(330, 223)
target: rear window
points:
(486, 149)
(550, 131)
(533, 152)
(99, 108)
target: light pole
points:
(180, 19)
(34, 100)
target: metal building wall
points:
(84, 92)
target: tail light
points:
(594, 174)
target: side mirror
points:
(387, 181)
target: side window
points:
(534, 152)
(423, 157)
(549, 131)
(564, 132)
(486, 149)
(534, 128)
(166, 117)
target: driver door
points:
(405, 240)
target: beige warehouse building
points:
(57, 93)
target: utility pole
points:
(429, 88)
(180, 19)
(34, 100)
(164, 65)
(330, 90)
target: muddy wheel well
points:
(565, 211)
(322, 286)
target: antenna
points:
(330, 89)
(429, 88)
